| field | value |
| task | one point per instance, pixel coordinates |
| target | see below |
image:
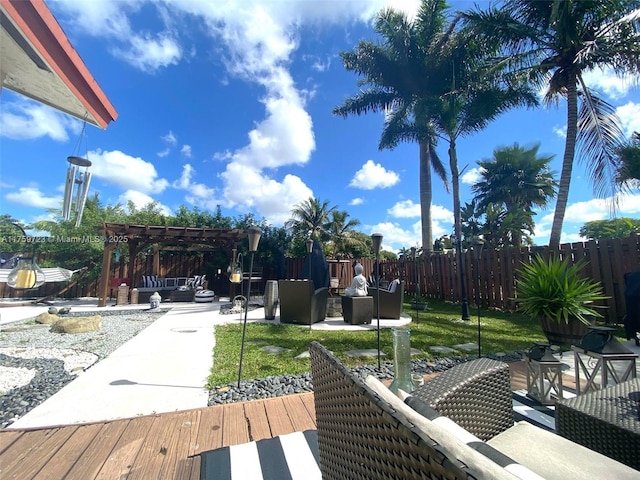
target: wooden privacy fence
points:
(436, 276)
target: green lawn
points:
(439, 325)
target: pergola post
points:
(103, 286)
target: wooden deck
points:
(163, 446)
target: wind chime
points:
(77, 176)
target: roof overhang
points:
(38, 61)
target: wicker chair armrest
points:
(475, 394)
(361, 436)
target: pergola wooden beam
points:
(137, 236)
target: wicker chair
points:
(361, 436)
(299, 303)
(390, 303)
(476, 395)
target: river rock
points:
(47, 318)
(77, 324)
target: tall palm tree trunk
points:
(567, 165)
(426, 195)
(457, 224)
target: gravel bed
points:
(35, 363)
(270, 387)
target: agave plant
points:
(554, 289)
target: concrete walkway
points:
(162, 369)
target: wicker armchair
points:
(476, 395)
(361, 436)
(299, 303)
(390, 303)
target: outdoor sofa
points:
(366, 432)
(149, 284)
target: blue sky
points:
(230, 104)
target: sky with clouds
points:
(229, 104)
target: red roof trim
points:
(41, 28)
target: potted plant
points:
(563, 300)
(418, 303)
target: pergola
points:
(137, 237)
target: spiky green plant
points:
(555, 289)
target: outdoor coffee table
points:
(607, 421)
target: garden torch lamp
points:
(309, 243)
(376, 239)
(254, 234)
(478, 244)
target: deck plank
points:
(257, 420)
(279, 420)
(98, 451)
(161, 444)
(6, 440)
(70, 452)
(234, 425)
(298, 414)
(27, 464)
(150, 457)
(180, 447)
(209, 434)
(121, 460)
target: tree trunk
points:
(426, 194)
(567, 165)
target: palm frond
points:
(599, 140)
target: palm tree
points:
(310, 218)
(341, 233)
(399, 81)
(519, 179)
(556, 42)
(629, 169)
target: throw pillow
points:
(393, 285)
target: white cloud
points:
(186, 151)
(356, 201)
(405, 209)
(373, 175)
(198, 194)
(560, 130)
(248, 188)
(33, 197)
(141, 200)
(579, 213)
(28, 120)
(472, 176)
(125, 171)
(608, 82)
(149, 54)
(629, 115)
(143, 51)
(164, 153)
(169, 138)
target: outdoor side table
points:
(605, 421)
(544, 379)
(600, 368)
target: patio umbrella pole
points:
(244, 325)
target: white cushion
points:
(555, 457)
(393, 285)
(482, 466)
